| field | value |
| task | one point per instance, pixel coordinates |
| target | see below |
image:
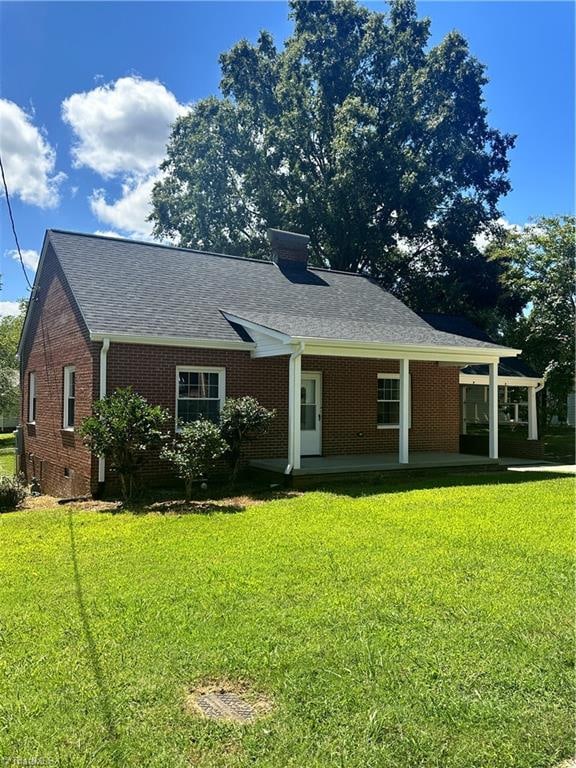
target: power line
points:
(13, 224)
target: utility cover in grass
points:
(237, 703)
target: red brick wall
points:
(57, 337)
(349, 396)
(151, 371)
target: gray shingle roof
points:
(462, 326)
(307, 326)
(134, 288)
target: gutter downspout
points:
(292, 409)
(103, 376)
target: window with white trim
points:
(32, 397)
(388, 413)
(69, 396)
(200, 394)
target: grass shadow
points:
(104, 702)
(406, 481)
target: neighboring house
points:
(350, 370)
(518, 383)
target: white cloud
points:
(30, 257)
(8, 308)
(29, 160)
(129, 212)
(122, 127)
(107, 233)
(483, 239)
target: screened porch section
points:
(512, 404)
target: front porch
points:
(367, 390)
(382, 462)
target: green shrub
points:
(242, 420)
(195, 451)
(12, 492)
(122, 428)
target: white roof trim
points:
(171, 341)
(509, 381)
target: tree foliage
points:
(242, 420)
(539, 265)
(356, 133)
(194, 451)
(10, 329)
(122, 428)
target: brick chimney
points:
(289, 250)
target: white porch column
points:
(404, 412)
(532, 414)
(294, 385)
(493, 409)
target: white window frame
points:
(198, 369)
(397, 377)
(68, 369)
(32, 401)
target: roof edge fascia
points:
(171, 341)
(33, 292)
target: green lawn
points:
(7, 457)
(392, 625)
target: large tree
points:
(539, 265)
(356, 133)
(10, 329)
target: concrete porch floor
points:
(374, 462)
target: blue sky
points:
(88, 91)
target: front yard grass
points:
(394, 625)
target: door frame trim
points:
(319, 403)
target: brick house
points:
(357, 379)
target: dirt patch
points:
(226, 505)
(224, 700)
(50, 502)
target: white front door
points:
(311, 414)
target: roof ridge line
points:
(158, 245)
(167, 246)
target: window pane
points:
(72, 385)
(201, 385)
(191, 410)
(388, 389)
(388, 413)
(70, 411)
(391, 389)
(308, 416)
